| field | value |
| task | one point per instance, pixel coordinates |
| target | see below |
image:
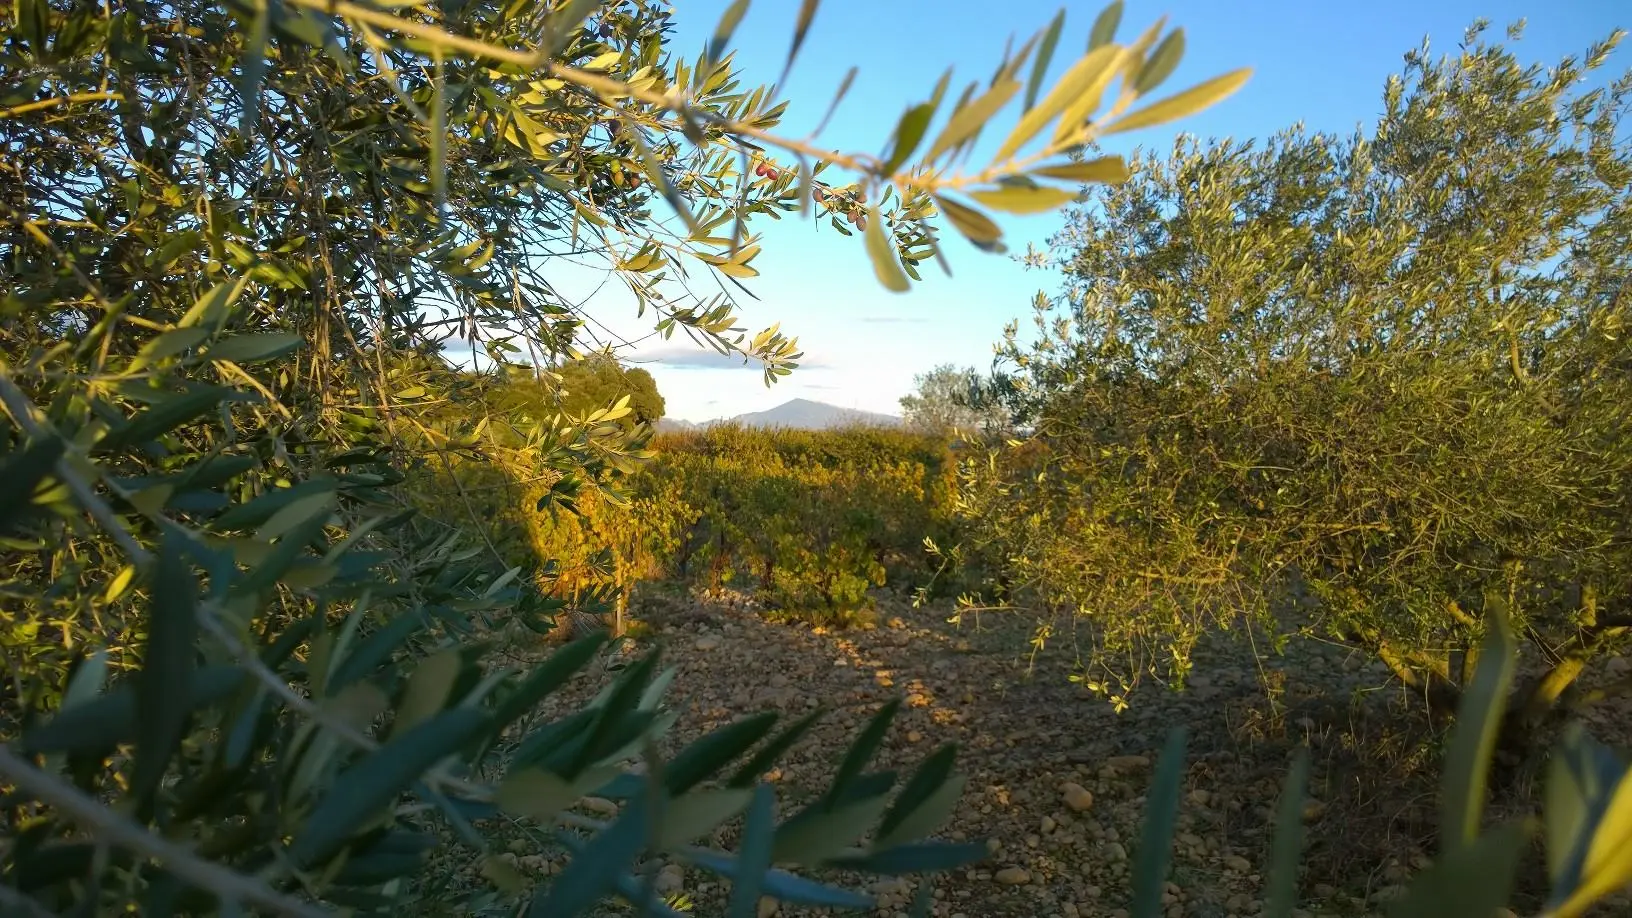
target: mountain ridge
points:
(797, 414)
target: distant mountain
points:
(675, 425)
(800, 414)
(804, 414)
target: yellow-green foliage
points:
(810, 519)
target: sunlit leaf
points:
(438, 166)
(1192, 100)
(886, 266)
(1093, 69)
(213, 307)
(1016, 199)
(1107, 169)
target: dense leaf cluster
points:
(810, 521)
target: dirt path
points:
(1056, 778)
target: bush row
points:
(808, 520)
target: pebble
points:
(671, 879)
(1013, 876)
(1077, 797)
(707, 642)
(1127, 762)
(1238, 863)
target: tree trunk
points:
(1440, 693)
(1534, 705)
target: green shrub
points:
(1344, 384)
(810, 520)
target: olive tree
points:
(246, 669)
(1353, 385)
(949, 398)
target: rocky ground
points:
(1056, 777)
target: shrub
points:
(1347, 385)
(812, 520)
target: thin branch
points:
(108, 825)
(611, 87)
(42, 104)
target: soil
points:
(1057, 777)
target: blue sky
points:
(1314, 61)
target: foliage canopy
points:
(1350, 385)
(249, 666)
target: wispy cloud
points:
(705, 358)
(895, 320)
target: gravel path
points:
(1056, 777)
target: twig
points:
(611, 87)
(108, 825)
(42, 104)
